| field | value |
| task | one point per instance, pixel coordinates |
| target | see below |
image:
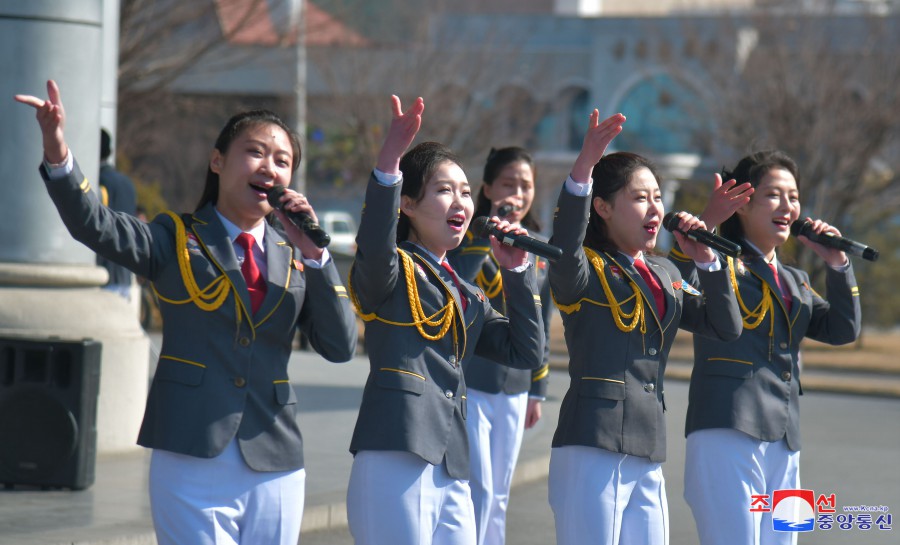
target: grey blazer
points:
(753, 384)
(415, 396)
(223, 373)
(616, 398)
(472, 257)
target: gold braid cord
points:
(619, 316)
(491, 288)
(447, 313)
(752, 318)
(209, 298)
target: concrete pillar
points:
(49, 283)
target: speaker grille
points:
(40, 433)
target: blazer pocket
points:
(181, 371)
(284, 393)
(399, 379)
(727, 367)
(604, 389)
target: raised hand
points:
(597, 138)
(404, 127)
(725, 199)
(52, 119)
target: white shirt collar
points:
(233, 230)
(773, 261)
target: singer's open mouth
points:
(260, 188)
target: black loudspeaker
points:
(48, 412)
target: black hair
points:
(417, 166)
(611, 173)
(105, 145)
(235, 126)
(753, 168)
(497, 160)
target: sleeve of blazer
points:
(117, 236)
(837, 320)
(468, 258)
(517, 340)
(540, 376)
(569, 275)
(326, 317)
(716, 313)
(375, 268)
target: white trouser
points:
(723, 469)
(397, 498)
(496, 424)
(606, 498)
(206, 501)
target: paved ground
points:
(851, 445)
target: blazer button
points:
(452, 360)
(652, 351)
(449, 394)
(245, 341)
(786, 376)
(649, 387)
(783, 346)
(240, 382)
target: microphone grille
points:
(799, 227)
(480, 226)
(670, 221)
(273, 195)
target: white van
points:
(342, 228)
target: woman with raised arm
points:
(620, 308)
(743, 418)
(409, 482)
(227, 461)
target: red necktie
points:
(445, 264)
(786, 297)
(256, 284)
(651, 281)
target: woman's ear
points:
(602, 208)
(215, 161)
(407, 205)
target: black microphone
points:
(505, 210)
(483, 227)
(303, 221)
(720, 244)
(804, 227)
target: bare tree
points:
(823, 88)
(475, 85)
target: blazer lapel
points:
(441, 275)
(760, 268)
(211, 234)
(278, 262)
(636, 277)
(790, 286)
(665, 282)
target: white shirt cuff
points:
(386, 179)
(712, 266)
(55, 172)
(317, 263)
(579, 189)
